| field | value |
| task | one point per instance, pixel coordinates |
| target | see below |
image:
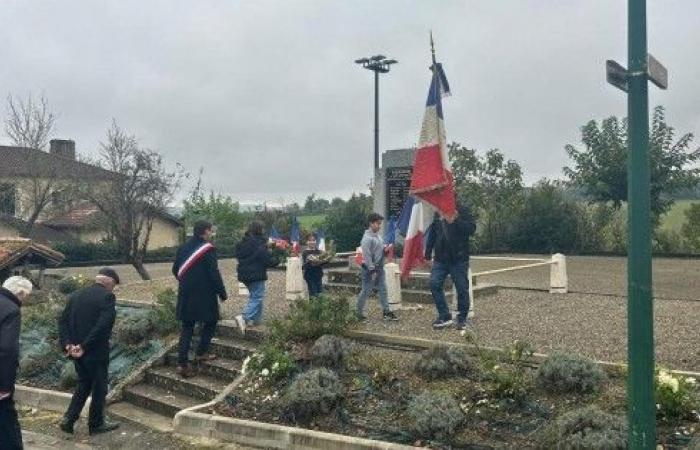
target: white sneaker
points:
(241, 323)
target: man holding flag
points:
(432, 193)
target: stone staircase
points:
(413, 290)
(162, 393)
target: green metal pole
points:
(640, 312)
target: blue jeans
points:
(368, 284)
(458, 273)
(254, 308)
(315, 286)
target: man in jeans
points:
(373, 274)
(448, 241)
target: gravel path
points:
(591, 320)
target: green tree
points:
(691, 227)
(492, 187)
(314, 205)
(600, 169)
(346, 224)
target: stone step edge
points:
(140, 416)
(191, 387)
(266, 435)
(158, 396)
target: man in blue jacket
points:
(448, 242)
(13, 292)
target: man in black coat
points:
(85, 327)
(449, 242)
(13, 292)
(196, 268)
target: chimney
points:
(64, 148)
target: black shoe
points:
(389, 315)
(463, 324)
(442, 323)
(66, 426)
(106, 427)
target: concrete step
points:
(158, 400)
(141, 416)
(412, 295)
(199, 386)
(353, 277)
(229, 329)
(221, 368)
(232, 348)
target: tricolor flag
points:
(295, 237)
(277, 239)
(432, 188)
(390, 239)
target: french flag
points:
(390, 239)
(295, 237)
(432, 188)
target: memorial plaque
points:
(398, 182)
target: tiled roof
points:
(40, 233)
(14, 250)
(27, 162)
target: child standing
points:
(312, 267)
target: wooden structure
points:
(19, 256)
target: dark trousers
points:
(10, 431)
(92, 380)
(458, 273)
(315, 285)
(205, 337)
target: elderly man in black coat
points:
(200, 283)
(13, 292)
(85, 327)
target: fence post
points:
(558, 281)
(470, 280)
(393, 285)
(294, 279)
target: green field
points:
(674, 220)
(311, 222)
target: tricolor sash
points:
(193, 259)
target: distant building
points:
(64, 218)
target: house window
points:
(8, 196)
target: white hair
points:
(18, 285)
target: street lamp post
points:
(378, 64)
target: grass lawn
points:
(675, 218)
(311, 222)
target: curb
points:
(45, 399)
(266, 435)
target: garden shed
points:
(19, 256)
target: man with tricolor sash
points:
(200, 287)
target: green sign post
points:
(642, 67)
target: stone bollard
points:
(558, 280)
(242, 290)
(470, 280)
(393, 285)
(295, 279)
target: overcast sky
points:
(266, 97)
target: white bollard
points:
(242, 290)
(393, 285)
(558, 280)
(470, 280)
(295, 279)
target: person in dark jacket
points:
(447, 248)
(85, 327)
(14, 291)
(200, 287)
(312, 268)
(254, 258)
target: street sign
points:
(656, 72)
(616, 75)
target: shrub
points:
(68, 378)
(41, 357)
(667, 242)
(346, 223)
(507, 381)
(435, 415)
(85, 251)
(570, 373)
(675, 395)
(691, 227)
(442, 361)
(315, 392)
(163, 316)
(72, 283)
(309, 320)
(330, 351)
(588, 428)
(272, 363)
(133, 330)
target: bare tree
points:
(30, 124)
(140, 189)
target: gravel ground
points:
(591, 320)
